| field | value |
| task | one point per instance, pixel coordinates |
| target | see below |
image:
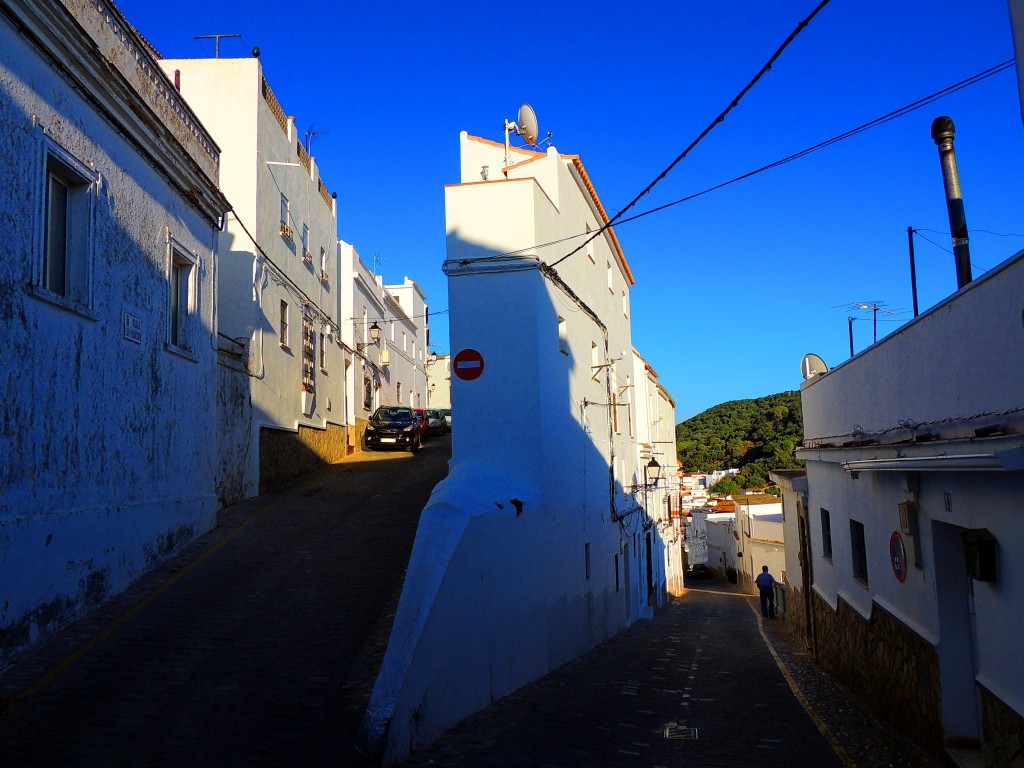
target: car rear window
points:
(392, 414)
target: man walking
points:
(766, 586)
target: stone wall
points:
(1003, 731)
(286, 455)
(796, 613)
(887, 665)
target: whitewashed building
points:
(655, 442)
(386, 327)
(439, 381)
(533, 549)
(110, 212)
(915, 471)
(278, 278)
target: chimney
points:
(942, 134)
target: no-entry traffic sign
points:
(468, 364)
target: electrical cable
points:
(904, 110)
(764, 69)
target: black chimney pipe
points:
(942, 134)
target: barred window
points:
(308, 358)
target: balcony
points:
(307, 257)
(286, 232)
(323, 277)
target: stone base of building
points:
(885, 663)
(1003, 732)
(286, 455)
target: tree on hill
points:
(755, 436)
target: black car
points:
(393, 426)
(699, 571)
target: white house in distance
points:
(439, 381)
(760, 539)
(535, 547)
(110, 210)
(278, 289)
(386, 327)
(913, 520)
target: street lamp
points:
(374, 338)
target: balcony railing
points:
(286, 231)
(307, 257)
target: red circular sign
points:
(468, 364)
(898, 556)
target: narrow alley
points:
(259, 643)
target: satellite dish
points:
(812, 365)
(527, 124)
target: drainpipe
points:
(942, 135)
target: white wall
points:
(108, 466)
(261, 163)
(498, 590)
(951, 371)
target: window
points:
(590, 247)
(305, 245)
(308, 355)
(323, 260)
(399, 392)
(286, 229)
(283, 334)
(859, 550)
(182, 298)
(563, 337)
(367, 392)
(625, 304)
(323, 353)
(826, 534)
(67, 219)
(608, 270)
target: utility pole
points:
(913, 267)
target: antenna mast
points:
(217, 38)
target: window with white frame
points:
(286, 229)
(283, 325)
(399, 393)
(563, 336)
(367, 392)
(182, 303)
(608, 272)
(590, 247)
(65, 263)
(323, 352)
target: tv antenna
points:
(216, 38)
(310, 133)
(875, 307)
(377, 259)
(525, 126)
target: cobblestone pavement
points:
(706, 683)
(236, 651)
(258, 645)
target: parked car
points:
(438, 426)
(393, 426)
(447, 412)
(699, 571)
(424, 423)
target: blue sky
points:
(734, 287)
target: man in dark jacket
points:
(766, 586)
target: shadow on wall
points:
(111, 429)
(529, 553)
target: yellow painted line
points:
(34, 688)
(822, 727)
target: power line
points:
(768, 65)
(902, 111)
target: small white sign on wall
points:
(132, 328)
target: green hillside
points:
(755, 436)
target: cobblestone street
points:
(259, 643)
